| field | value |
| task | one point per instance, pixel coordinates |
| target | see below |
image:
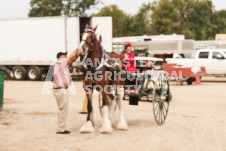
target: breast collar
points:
(103, 63)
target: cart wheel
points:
(161, 98)
(148, 88)
(101, 102)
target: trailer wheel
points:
(189, 81)
(33, 73)
(19, 73)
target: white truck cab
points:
(214, 60)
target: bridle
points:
(104, 57)
(93, 38)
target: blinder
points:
(93, 36)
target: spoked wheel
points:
(148, 88)
(161, 98)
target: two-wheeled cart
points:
(150, 83)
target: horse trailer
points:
(160, 49)
(29, 46)
(210, 44)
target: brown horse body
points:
(103, 85)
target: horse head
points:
(88, 39)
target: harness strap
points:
(89, 30)
(86, 42)
(103, 63)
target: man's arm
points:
(73, 56)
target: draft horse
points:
(106, 67)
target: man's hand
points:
(82, 54)
(73, 57)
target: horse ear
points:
(87, 26)
(94, 29)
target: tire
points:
(33, 73)
(189, 81)
(19, 73)
(179, 82)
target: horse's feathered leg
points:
(112, 105)
(121, 125)
(88, 126)
(90, 109)
(106, 123)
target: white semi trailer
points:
(28, 46)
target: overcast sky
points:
(20, 8)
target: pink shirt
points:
(61, 74)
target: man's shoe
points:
(64, 132)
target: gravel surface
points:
(196, 121)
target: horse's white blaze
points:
(106, 123)
(85, 35)
(87, 128)
(121, 125)
(112, 104)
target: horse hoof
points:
(113, 123)
(122, 126)
(106, 130)
(87, 128)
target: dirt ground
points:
(196, 121)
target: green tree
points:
(165, 17)
(198, 18)
(118, 19)
(189, 17)
(127, 25)
(141, 20)
(219, 20)
(41, 8)
(78, 7)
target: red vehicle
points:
(182, 74)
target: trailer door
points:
(105, 30)
(73, 34)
